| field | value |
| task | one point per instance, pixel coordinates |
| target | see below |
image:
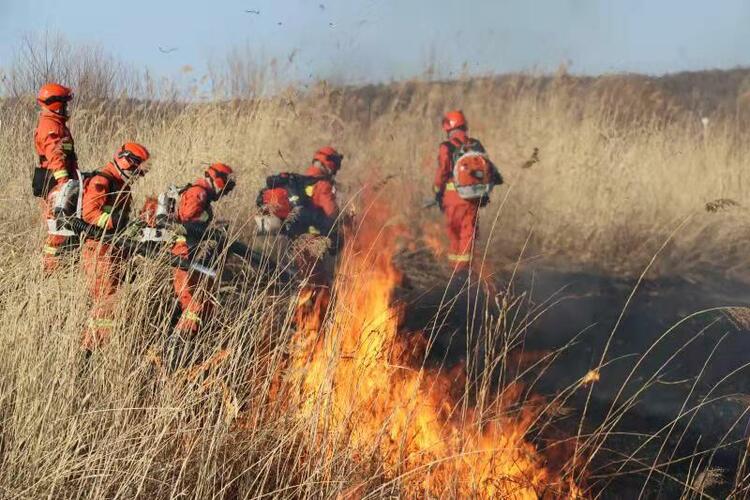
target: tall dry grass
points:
(611, 184)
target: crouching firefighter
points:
(304, 209)
(57, 166)
(463, 182)
(189, 207)
(105, 204)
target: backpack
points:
(472, 170)
(166, 204)
(287, 192)
(288, 197)
(68, 203)
(159, 214)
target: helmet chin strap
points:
(324, 167)
(213, 186)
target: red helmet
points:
(130, 159)
(329, 157)
(53, 97)
(453, 120)
(221, 177)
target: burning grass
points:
(361, 384)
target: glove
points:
(484, 200)
(439, 200)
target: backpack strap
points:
(100, 173)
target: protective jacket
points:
(323, 193)
(54, 146)
(194, 212)
(106, 199)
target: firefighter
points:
(326, 163)
(193, 210)
(306, 206)
(57, 164)
(106, 204)
(460, 192)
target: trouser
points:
(461, 225)
(190, 294)
(103, 268)
(54, 245)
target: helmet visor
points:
(135, 162)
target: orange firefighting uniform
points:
(194, 206)
(56, 151)
(322, 197)
(106, 204)
(460, 215)
(316, 295)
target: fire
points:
(361, 384)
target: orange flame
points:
(362, 384)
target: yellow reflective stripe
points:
(101, 323)
(309, 190)
(180, 239)
(49, 250)
(59, 174)
(103, 219)
(204, 217)
(67, 146)
(191, 316)
(459, 258)
(450, 186)
(436, 189)
(313, 230)
(293, 198)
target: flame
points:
(590, 377)
(360, 382)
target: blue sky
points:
(371, 40)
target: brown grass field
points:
(351, 408)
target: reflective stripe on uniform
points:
(180, 239)
(294, 198)
(313, 230)
(205, 217)
(59, 174)
(459, 257)
(103, 219)
(450, 186)
(309, 190)
(50, 250)
(191, 316)
(99, 323)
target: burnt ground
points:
(695, 370)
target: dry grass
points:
(598, 195)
